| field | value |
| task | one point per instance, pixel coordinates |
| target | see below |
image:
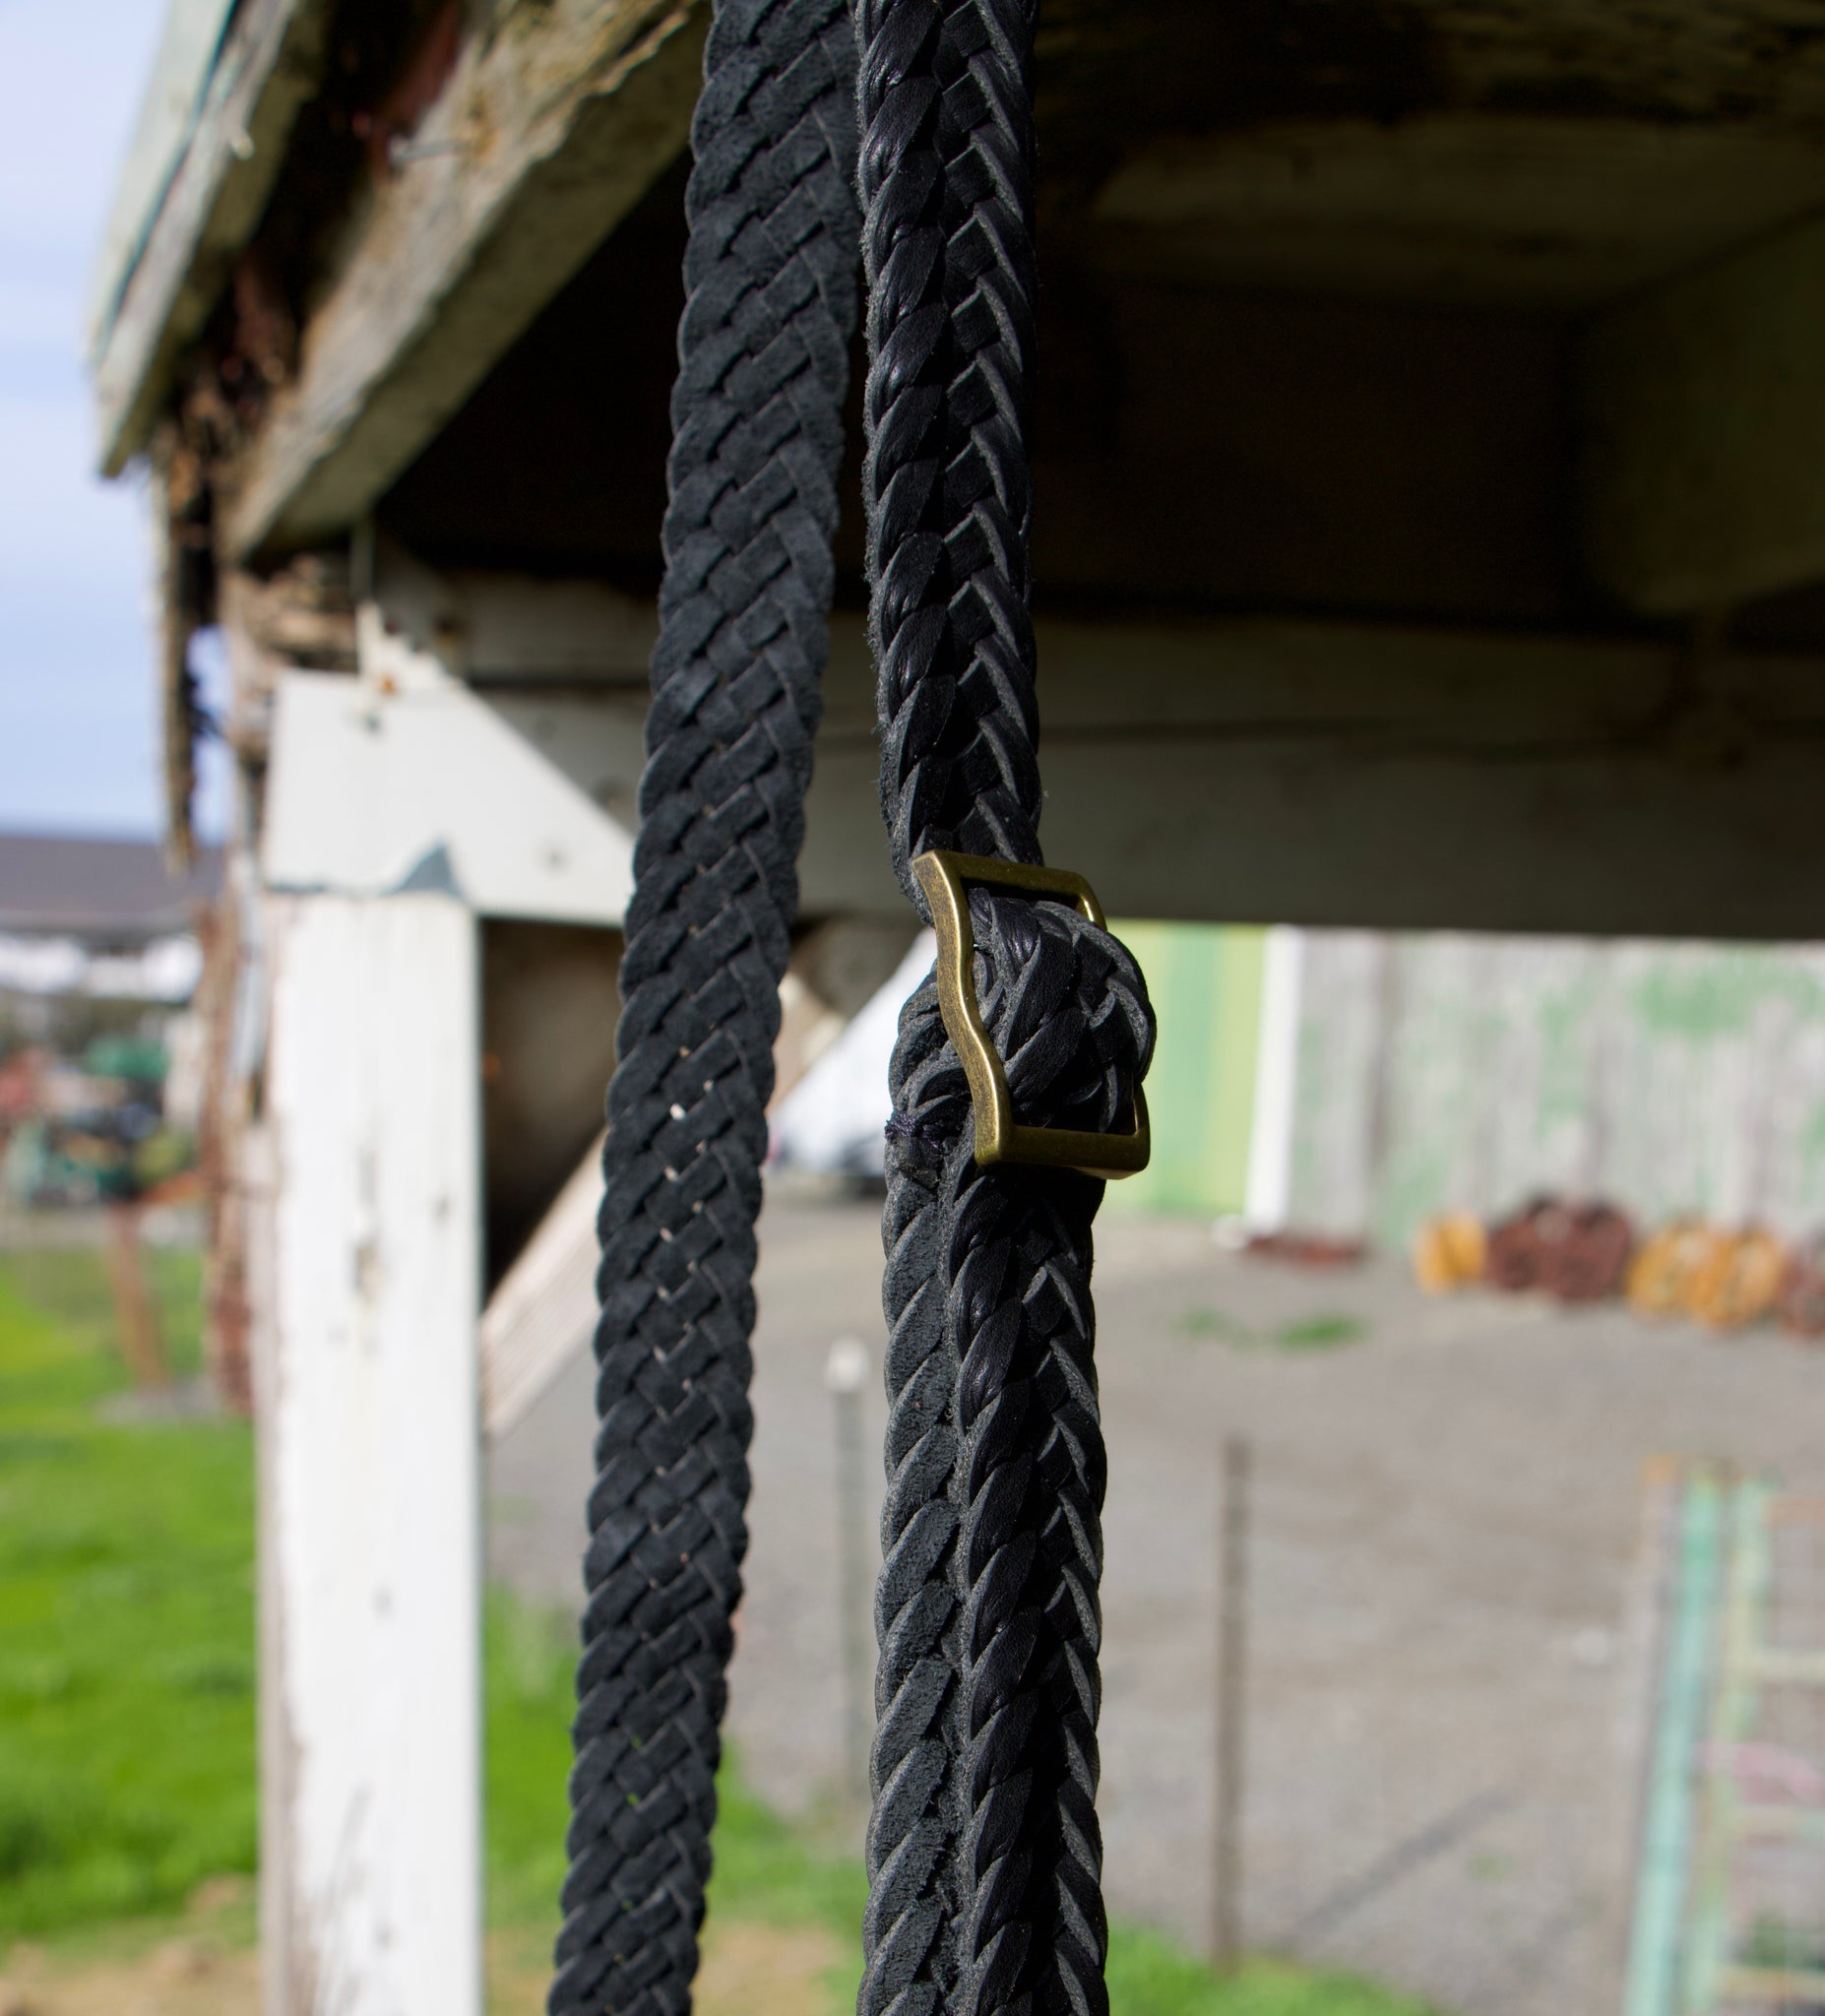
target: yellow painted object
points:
(1662, 1276)
(1741, 1280)
(1449, 1252)
(1724, 1279)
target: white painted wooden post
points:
(400, 809)
(371, 1485)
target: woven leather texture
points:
(770, 307)
(983, 1853)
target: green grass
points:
(126, 1685)
(1324, 1330)
(66, 1287)
(126, 1616)
(528, 1659)
(767, 1872)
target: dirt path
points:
(747, 1970)
(1444, 1519)
(176, 1978)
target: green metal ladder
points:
(1717, 1671)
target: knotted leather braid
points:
(770, 279)
(984, 1851)
(984, 1855)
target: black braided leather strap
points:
(983, 1853)
(946, 181)
(769, 280)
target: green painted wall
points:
(1205, 981)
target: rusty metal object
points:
(1513, 1259)
(1800, 1304)
(1584, 1252)
(1578, 1252)
(1306, 1250)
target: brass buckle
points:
(946, 878)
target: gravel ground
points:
(1443, 1523)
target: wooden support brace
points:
(1250, 770)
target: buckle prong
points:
(946, 879)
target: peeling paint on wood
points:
(540, 144)
(372, 791)
(1673, 1079)
(267, 67)
(370, 1479)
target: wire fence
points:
(1421, 1802)
(1387, 1815)
(1443, 1655)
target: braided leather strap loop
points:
(984, 1851)
(984, 1854)
(757, 413)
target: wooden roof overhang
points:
(1457, 359)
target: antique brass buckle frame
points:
(946, 879)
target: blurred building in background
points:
(103, 1072)
(1454, 1072)
(1352, 1084)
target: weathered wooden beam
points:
(1551, 211)
(183, 66)
(546, 135)
(1704, 420)
(1336, 774)
(545, 1304)
(495, 628)
(1305, 773)
(403, 777)
(269, 66)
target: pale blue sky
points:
(78, 736)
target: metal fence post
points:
(1232, 1700)
(846, 1373)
